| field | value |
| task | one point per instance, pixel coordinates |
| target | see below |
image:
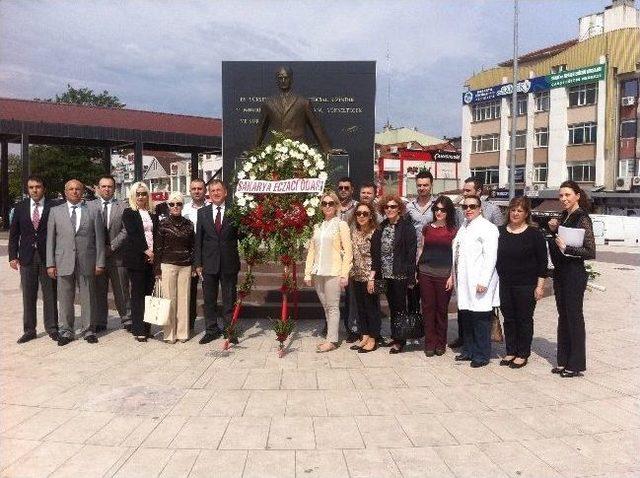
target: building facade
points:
(577, 110)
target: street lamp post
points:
(514, 105)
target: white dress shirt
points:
(40, 207)
(78, 213)
(215, 212)
(190, 211)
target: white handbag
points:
(156, 307)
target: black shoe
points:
(362, 350)
(478, 364)
(462, 358)
(396, 349)
(519, 365)
(383, 343)
(355, 347)
(55, 336)
(101, 328)
(234, 340)
(206, 338)
(351, 337)
(91, 339)
(440, 352)
(570, 374)
(429, 353)
(127, 327)
(557, 370)
(505, 362)
(64, 341)
(457, 343)
(141, 339)
(26, 338)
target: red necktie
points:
(35, 218)
(218, 221)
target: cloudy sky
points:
(166, 55)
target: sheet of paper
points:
(573, 237)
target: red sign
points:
(160, 196)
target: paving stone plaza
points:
(127, 409)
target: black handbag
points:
(409, 324)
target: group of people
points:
(85, 245)
(414, 253)
(424, 250)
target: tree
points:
(58, 164)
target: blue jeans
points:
(476, 333)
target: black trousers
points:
(193, 301)
(368, 310)
(227, 284)
(30, 276)
(517, 304)
(476, 332)
(569, 284)
(397, 298)
(142, 282)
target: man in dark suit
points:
(110, 208)
(216, 259)
(75, 255)
(27, 253)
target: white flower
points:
(306, 202)
(252, 176)
(304, 148)
(263, 155)
(247, 167)
(241, 175)
(313, 172)
(249, 197)
(312, 151)
(323, 175)
(280, 163)
(253, 159)
(320, 164)
(306, 163)
(315, 201)
(317, 157)
(285, 150)
(242, 202)
(268, 149)
(262, 167)
(252, 204)
(239, 194)
(311, 211)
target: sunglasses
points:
(391, 206)
(362, 213)
(469, 206)
(344, 188)
(141, 194)
(328, 203)
(439, 209)
(174, 204)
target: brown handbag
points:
(496, 328)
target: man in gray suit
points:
(75, 255)
(110, 209)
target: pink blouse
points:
(147, 225)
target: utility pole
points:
(514, 105)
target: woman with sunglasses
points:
(363, 224)
(522, 268)
(570, 279)
(141, 224)
(434, 274)
(393, 258)
(173, 258)
(475, 249)
(328, 264)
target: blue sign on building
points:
(540, 83)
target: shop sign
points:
(447, 156)
(588, 74)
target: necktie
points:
(35, 218)
(105, 214)
(73, 217)
(218, 221)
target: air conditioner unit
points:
(623, 184)
(628, 101)
(635, 181)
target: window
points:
(582, 172)
(521, 139)
(522, 106)
(540, 173)
(486, 111)
(487, 175)
(583, 95)
(485, 143)
(542, 137)
(519, 173)
(630, 88)
(558, 68)
(626, 168)
(541, 100)
(582, 133)
(628, 129)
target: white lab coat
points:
(475, 250)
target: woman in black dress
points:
(570, 278)
(522, 268)
(141, 224)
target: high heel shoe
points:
(141, 339)
(557, 370)
(362, 350)
(507, 362)
(570, 374)
(396, 349)
(518, 365)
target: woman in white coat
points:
(475, 250)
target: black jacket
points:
(23, 238)
(133, 247)
(216, 253)
(574, 255)
(404, 249)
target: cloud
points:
(166, 56)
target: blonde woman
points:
(173, 256)
(141, 224)
(328, 264)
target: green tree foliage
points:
(87, 97)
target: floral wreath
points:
(276, 227)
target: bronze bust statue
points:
(289, 113)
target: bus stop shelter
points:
(28, 122)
